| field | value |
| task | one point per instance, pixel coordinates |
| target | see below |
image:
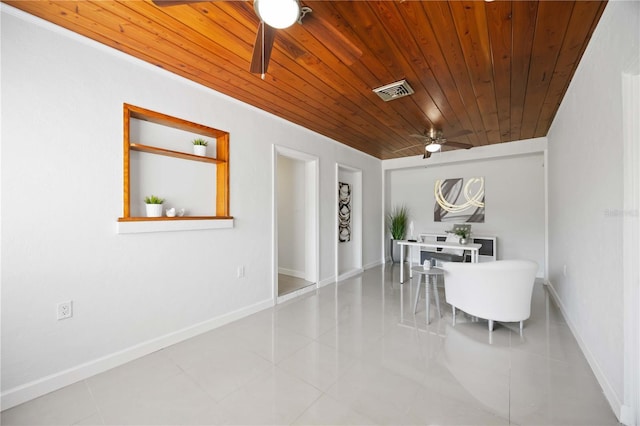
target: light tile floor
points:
(352, 353)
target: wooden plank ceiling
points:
(496, 71)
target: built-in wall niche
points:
(183, 184)
(159, 160)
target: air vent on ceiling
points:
(395, 90)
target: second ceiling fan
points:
(434, 141)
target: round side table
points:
(427, 274)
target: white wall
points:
(62, 95)
(586, 195)
(514, 194)
(291, 216)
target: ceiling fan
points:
(434, 141)
(281, 14)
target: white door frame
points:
(312, 230)
(630, 411)
(356, 221)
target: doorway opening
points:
(348, 222)
(295, 222)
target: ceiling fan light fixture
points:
(433, 147)
(277, 13)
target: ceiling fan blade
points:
(426, 155)
(263, 46)
(407, 147)
(459, 133)
(458, 144)
(419, 136)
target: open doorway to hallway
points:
(348, 222)
(295, 221)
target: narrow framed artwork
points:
(344, 212)
(459, 200)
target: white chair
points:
(496, 291)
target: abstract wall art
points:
(459, 200)
(344, 212)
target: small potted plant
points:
(200, 147)
(154, 206)
(463, 233)
(397, 225)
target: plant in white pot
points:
(397, 224)
(462, 233)
(200, 147)
(154, 206)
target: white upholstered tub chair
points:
(496, 291)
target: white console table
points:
(472, 247)
(487, 253)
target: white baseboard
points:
(607, 389)
(292, 273)
(327, 281)
(323, 283)
(304, 290)
(296, 293)
(350, 274)
(36, 388)
(373, 264)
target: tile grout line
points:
(95, 403)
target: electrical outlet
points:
(241, 271)
(65, 310)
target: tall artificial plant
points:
(397, 222)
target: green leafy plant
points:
(152, 199)
(462, 233)
(200, 141)
(397, 222)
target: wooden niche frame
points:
(221, 161)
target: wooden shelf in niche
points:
(152, 219)
(169, 153)
(221, 161)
